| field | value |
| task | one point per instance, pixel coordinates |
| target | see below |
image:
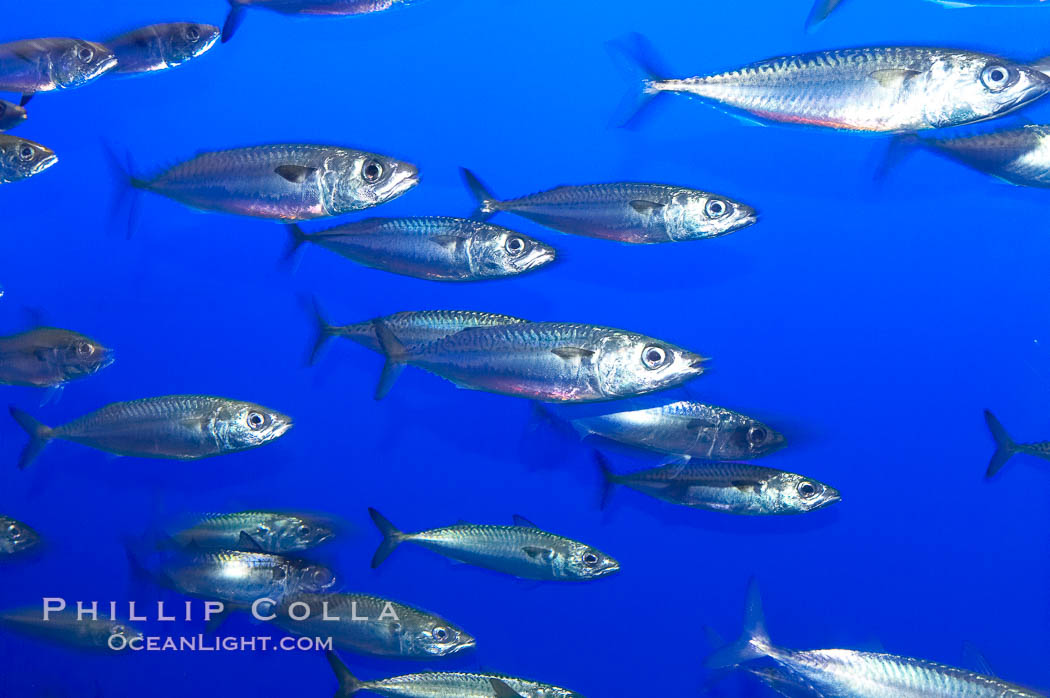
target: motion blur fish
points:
(161, 46)
(16, 537)
(47, 357)
(64, 628)
(21, 158)
(438, 684)
(42, 65)
(411, 327)
(372, 625)
(879, 89)
(823, 8)
(851, 674)
(522, 550)
(269, 531)
(1006, 447)
(1019, 156)
(623, 211)
(11, 115)
(286, 182)
(731, 488)
(433, 248)
(304, 7)
(549, 361)
(180, 427)
(684, 428)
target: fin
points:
(821, 10)
(392, 537)
(899, 148)
(296, 237)
(448, 242)
(394, 352)
(893, 78)
(324, 331)
(296, 174)
(570, 353)
(649, 207)
(538, 553)
(637, 61)
(348, 683)
(249, 544)
(1042, 65)
(486, 201)
(973, 657)
(216, 621)
(25, 99)
(503, 690)
(132, 185)
(1005, 447)
(753, 643)
(608, 478)
(39, 436)
(53, 395)
(233, 20)
(520, 520)
(747, 485)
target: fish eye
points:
(304, 530)
(320, 576)
(372, 171)
(654, 357)
(806, 489)
(515, 246)
(590, 559)
(995, 77)
(85, 54)
(756, 435)
(440, 634)
(256, 420)
(279, 573)
(26, 153)
(85, 349)
(716, 208)
(193, 34)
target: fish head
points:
(585, 562)
(242, 425)
(21, 158)
(186, 40)
(433, 636)
(79, 62)
(696, 215)
(82, 356)
(990, 87)
(798, 494)
(107, 631)
(17, 537)
(355, 180)
(11, 115)
(631, 364)
(753, 438)
(498, 252)
(314, 579)
(298, 532)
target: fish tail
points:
(395, 358)
(124, 171)
(233, 20)
(348, 683)
(392, 537)
(820, 11)
(899, 148)
(1005, 447)
(637, 60)
(754, 641)
(487, 203)
(608, 477)
(39, 436)
(324, 330)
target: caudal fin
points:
(233, 20)
(753, 642)
(392, 537)
(637, 60)
(608, 477)
(821, 10)
(395, 358)
(128, 189)
(39, 436)
(296, 238)
(1005, 447)
(486, 201)
(899, 148)
(324, 330)
(348, 683)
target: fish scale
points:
(460, 685)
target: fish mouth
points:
(213, 35)
(404, 178)
(44, 163)
(541, 257)
(746, 216)
(281, 427)
(696, 363)
(105, 66)
(832, 497)
(466, 644)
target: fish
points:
(11, 115)
(267, 531)
(21, 158)
(1018, 156)
(1006, 447)
(16, 537)
(684, 428)
(731, 488)
(523, 550)
(64, 628)
(547, 361)
(284, 182)
(895, 89)
(304, 7)
(49, 357)
(841, 673)
(821, 10)
(441, 684)
(432, 248)
(628, 212)
(161, 46)
(43, 65)
(372, 625)
(414, 327)
(179, 427)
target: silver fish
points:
(43, 65)
(684, 428)
(11, 115)
(285, 182)
(852, 674)
(731, 488)
(161, 46)
(548, 361)
(522, 550)
(372, 625)
(239, 578)
(414, 327)
(21, 158)
(823, 8)
(270, 531)
(16, 537)
(47, 357)
(65, 628)
(304, 7)
(623, 211)
(1006, 447)
(434, 248)
(180, 427)
(442, 684)
(879, 89)
(1019, 156)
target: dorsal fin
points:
(520, 520)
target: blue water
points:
(871, 324)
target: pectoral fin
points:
(537, 553)
(642, 206)
(25, 98)
(573, 353)
(893, 78)
(747, 485)
(296, 174)
(451, 243)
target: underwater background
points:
(869, 321)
